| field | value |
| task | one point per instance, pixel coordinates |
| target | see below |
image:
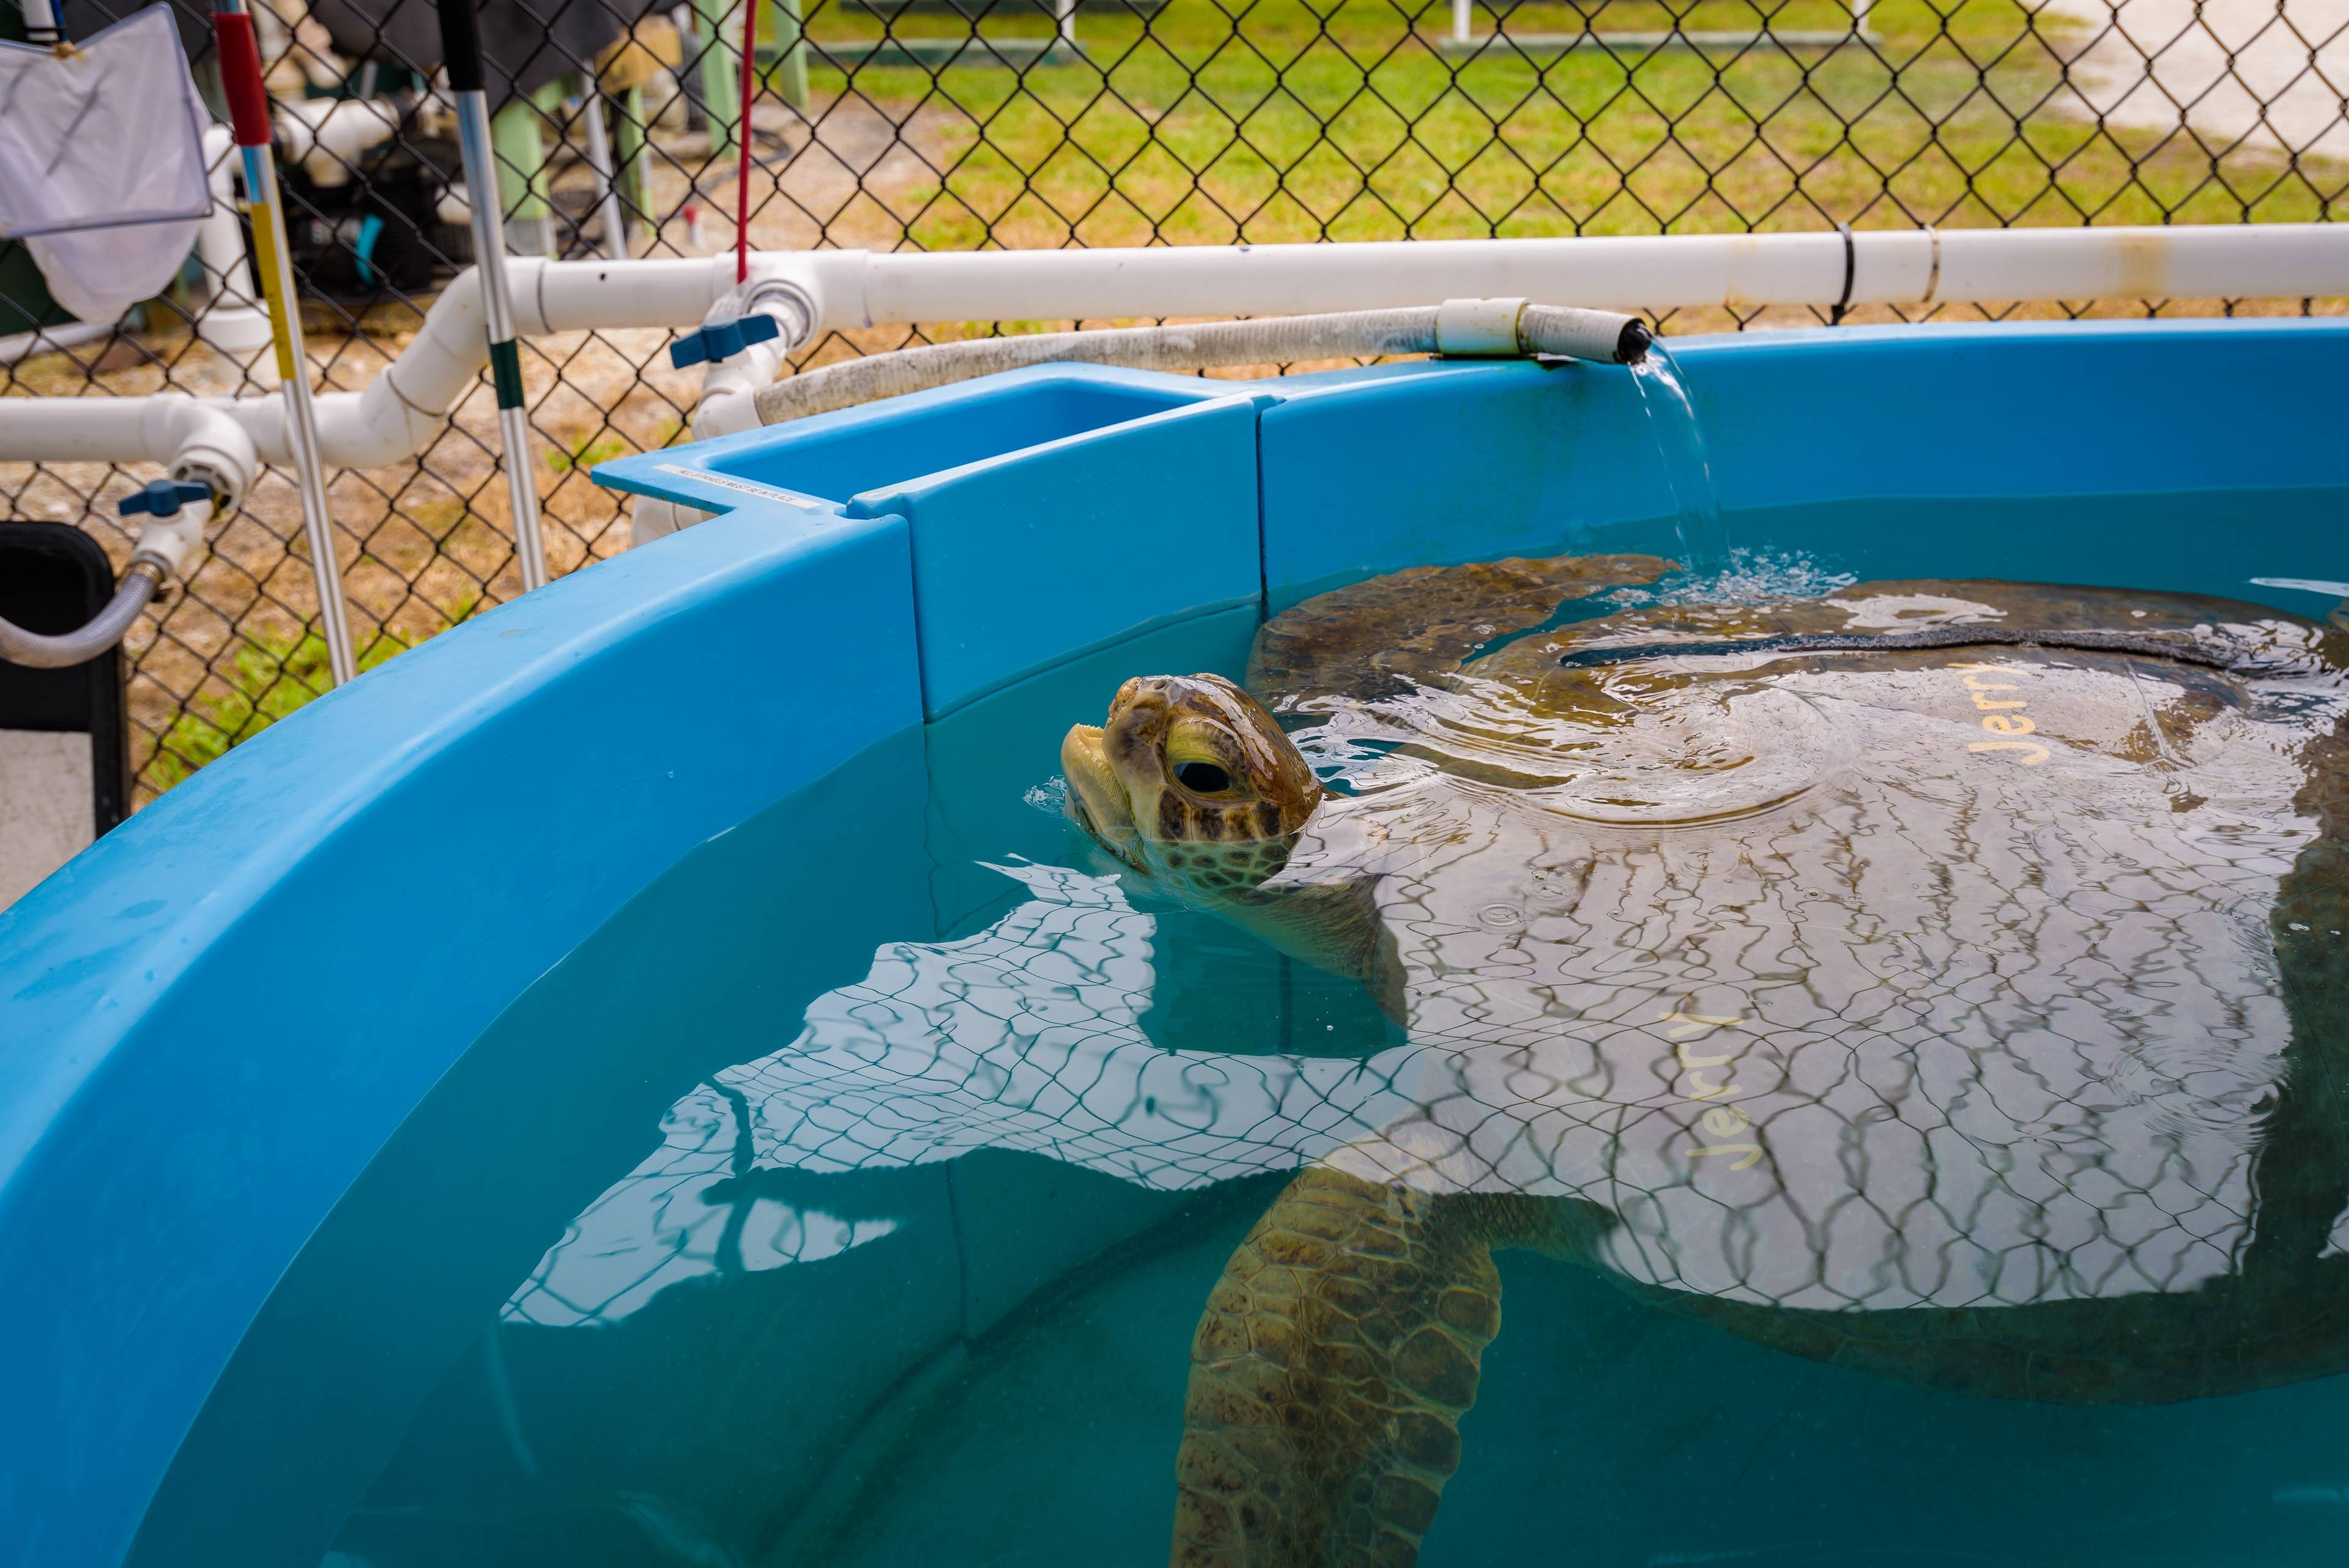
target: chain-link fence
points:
(946, 124)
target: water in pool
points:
(1545, 1086)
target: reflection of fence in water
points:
(1188, 122)
(1947, 1038)
(674, 1218)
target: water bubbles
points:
(1750, 578)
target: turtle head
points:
(1191, 781)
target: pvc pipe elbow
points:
(373, 429)
(401, 410)
(792, 295)
(199, 442)
(830, 283)
(327, 135)
(727, 410)
(729, 386)
(652, 517)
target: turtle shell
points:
(1865, 972)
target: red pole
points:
(743, 136)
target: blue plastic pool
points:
(317, 1068)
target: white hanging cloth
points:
(102, 163)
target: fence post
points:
(517, 135)
(720, 72)
(789, 81)
(629, 153)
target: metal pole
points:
(742, 142)
(460, 51)
(248, 100)
(599, 161)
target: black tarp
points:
(525, 44)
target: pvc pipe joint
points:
(744, 340)
(721, 340)
(1478, 328)
(174, 534)
(1508, 328)
(176, 514)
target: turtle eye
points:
(1203, 778)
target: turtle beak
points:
(1097, 801)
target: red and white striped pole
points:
(248, 106)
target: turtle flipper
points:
(1332, 1367)
(1329, 1375)
(2301, 1175)
(1336, 926)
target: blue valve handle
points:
(163, 498)
(721, 342)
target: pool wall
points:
(220, 1014)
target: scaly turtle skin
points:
(1941, 979)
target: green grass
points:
(1214, 122)
(271, 676)
(1219, 120)
(587, 452)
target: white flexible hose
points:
(104, 629)
(1518, 328)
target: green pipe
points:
(628, 157)
(789, 78)
(722, 68)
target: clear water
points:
(1703, 536)
(854, 1195)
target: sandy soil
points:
(2269, 73)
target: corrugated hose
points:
(1481, 327)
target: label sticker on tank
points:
(748, 487)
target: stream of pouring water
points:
(1704, 538)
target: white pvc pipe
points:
(232, 322)
(327, 136)
(405, 408)
(48, 339)
(1912, 267)
(402, 410)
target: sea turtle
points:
(1944, 980)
